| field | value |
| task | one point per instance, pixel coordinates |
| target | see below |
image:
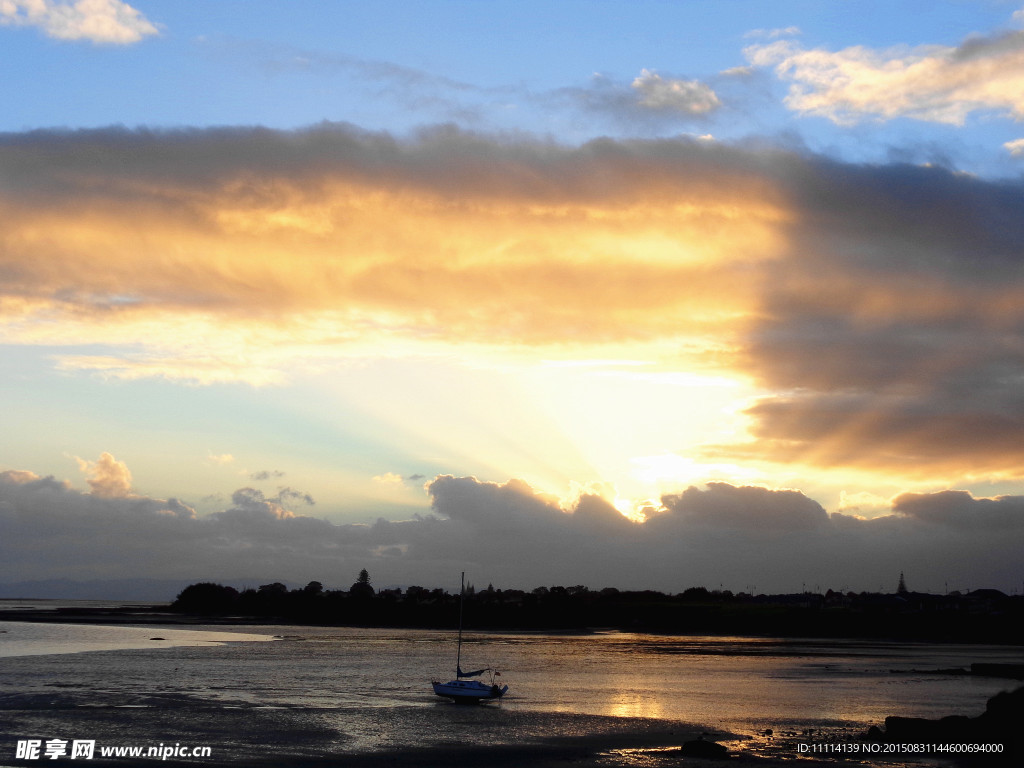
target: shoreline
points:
(154, 614)
(140, 614)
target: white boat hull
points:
(468, 691)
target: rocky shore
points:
(998, 732)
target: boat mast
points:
(458, 656)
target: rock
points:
(874, 734)
(1000, 723)
(701, 748)
(908, 729)
(1005, 709)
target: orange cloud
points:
(108, 477)
(447, 241)
(866, 303)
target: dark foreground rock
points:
(700, 748)
(1002, 723)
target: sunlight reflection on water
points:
(639, 757)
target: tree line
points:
(979, 616)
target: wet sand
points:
(296, 738)
(292, 737)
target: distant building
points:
(902, 588)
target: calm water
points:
(31, 639)
(368, 689)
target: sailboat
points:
(463, 689)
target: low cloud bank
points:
(511, 535)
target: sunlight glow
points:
(629, 509)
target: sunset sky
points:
(634, 294)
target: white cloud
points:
(932, 83)
(98, 21)
(1015, 147)
(772, 34)
(690, 97)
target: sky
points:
(635, 294)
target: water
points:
(344, 690)
(19, 638)
(56, 604)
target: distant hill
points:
(157, 590)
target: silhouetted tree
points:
(697, 594)
(979, 616)
(206, 598)
(414, 594)
(361, 589)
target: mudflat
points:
(296, 738)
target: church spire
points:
(902, 588)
